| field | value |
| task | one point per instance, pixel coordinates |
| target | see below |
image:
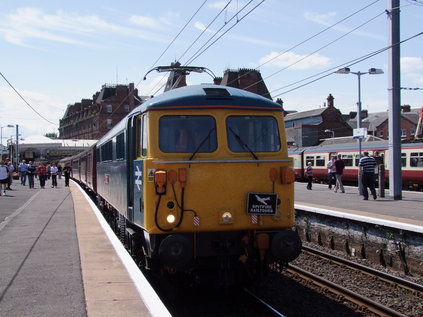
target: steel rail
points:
(409, 285)
(264, 303)
(353, 297)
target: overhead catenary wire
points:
(200, 51)
(350, 63)
(307, 40)
(26, 102)
(174, 39)
(205, 29)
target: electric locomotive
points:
(198, 183)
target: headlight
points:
(170, 218)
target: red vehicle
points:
(411, 160)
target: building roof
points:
(375, 119)
(304, 114)
(40, 139)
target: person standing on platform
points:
(309, 173)
(331, 172)
(23, 168)
(31, 170)
(367, 166)
(11, 170)
(53, 173)
(42, 170)
(339, 166)
(67, 172)
(4, 177)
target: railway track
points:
(341, 283)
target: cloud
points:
(412, 69)
(145, 21)
(25, 25)
(411, 64)
(295, 61)
(28, 120)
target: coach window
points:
(310, 159)
(120, 147)
(320, 160)
(348, 160)
(187, 134)
(403, 159)
(416, 159)
(253, 133)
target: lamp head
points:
(345, 70)
(375, 71)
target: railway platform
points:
(407, 212)
(58, 257)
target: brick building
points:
(92, 118)
(377, 123)
(246, 79)
(307, 128)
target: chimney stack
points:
(330, 101)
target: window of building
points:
(109, 123)
(253, 133)
(412, 131)
(403, 133)
(109, 108)
(416, 159)
(126, 108)
(381, 133)
(187, 134)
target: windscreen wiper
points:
(243, 144)
(201, 144)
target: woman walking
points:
(309, 173)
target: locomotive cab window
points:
(253, 133)
(187, 134)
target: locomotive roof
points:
(209, 97)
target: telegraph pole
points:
(394, 92)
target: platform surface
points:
(408, 210)
(55, 259)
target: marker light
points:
(182, 176)
(287, 175)
(160, 182)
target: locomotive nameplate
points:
(262, 203)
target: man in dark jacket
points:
(339, 165)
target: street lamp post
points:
(1, 132)
(333, 132)
(371, 71)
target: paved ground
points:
(39, 254)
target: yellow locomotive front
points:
(218, 186)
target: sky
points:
(55, 53)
